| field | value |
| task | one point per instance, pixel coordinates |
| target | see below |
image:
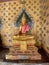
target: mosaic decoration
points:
(10, 11)
(29, 21)
(45, 24)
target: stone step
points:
(22, 57)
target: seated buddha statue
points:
(24, 33)
(24, 26)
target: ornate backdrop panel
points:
(45, 27)
(38, 12)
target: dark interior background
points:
(0, 41)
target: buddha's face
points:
(23, 21)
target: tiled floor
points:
(7, 63)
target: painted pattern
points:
(9, 12)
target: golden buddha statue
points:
(24, 26)
(23, 37)
(24, 30)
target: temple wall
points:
(45, 27)
(9, 12)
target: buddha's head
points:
(23, 20)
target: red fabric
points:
(25, 28)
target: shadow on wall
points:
(1, 41)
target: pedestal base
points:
(23, 56)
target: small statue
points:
(24, 26)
